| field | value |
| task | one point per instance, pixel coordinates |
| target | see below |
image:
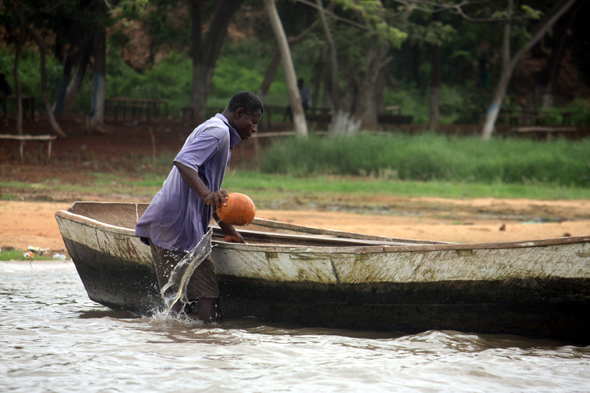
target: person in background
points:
(5, 89)
(179, 214)
(305, 95)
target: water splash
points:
(183, 271)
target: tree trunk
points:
(42, 52)
(551, 72)
(435, 82)
(96, 119)
(205, 54)
(269, 76)
(76, 82)
(19, 47)
(332, 84)
(317, 79)
(375, 104)
(494, 109)
(509, 64)
(199, 92)
(344, 122)
(365, 85)
(289, 69)
(58, 109)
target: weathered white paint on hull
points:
(274, 266)
(332, 265)
(564, 261)
(116, 241)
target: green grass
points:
(271, 190)
(267, 186)
(18, 255)
(324, 169)
(432, 157)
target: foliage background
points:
(249, 48)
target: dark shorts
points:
(203, 283)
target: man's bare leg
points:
(209, 311)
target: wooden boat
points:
(320, 277)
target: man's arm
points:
(213, 199)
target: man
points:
(305, 95)
(180, 212)
(5, 89)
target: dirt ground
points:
(31, 222)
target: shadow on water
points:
(185, 329)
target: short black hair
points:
(247, 100)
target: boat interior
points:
(260, 231)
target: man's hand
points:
(234, 238)
(231, 235)
(216, 199)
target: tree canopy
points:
(357, 56)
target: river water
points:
(54, 339)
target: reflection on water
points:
(54, 339)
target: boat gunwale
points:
(354, 249)
(310, 231)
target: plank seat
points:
(136, 111)
(547, 131)
(21, 139)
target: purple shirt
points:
(178, 218)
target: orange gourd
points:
(240, 210)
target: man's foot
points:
(177, 308)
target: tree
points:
(21, 12)
(509, 61)
(205, 51)
(435, 36)
(276, 60)
(426, 31)
(364, 49)
(547, 78)
(96, 118)
(19, 47)
(75, 24)
(42, 52)
(83, 59)
(289, 69)
(74, 45)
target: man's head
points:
(244, 112)
(300, 83)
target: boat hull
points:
(114, 282)
(538, 289)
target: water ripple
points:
(54, 338)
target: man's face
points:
(245, 124)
